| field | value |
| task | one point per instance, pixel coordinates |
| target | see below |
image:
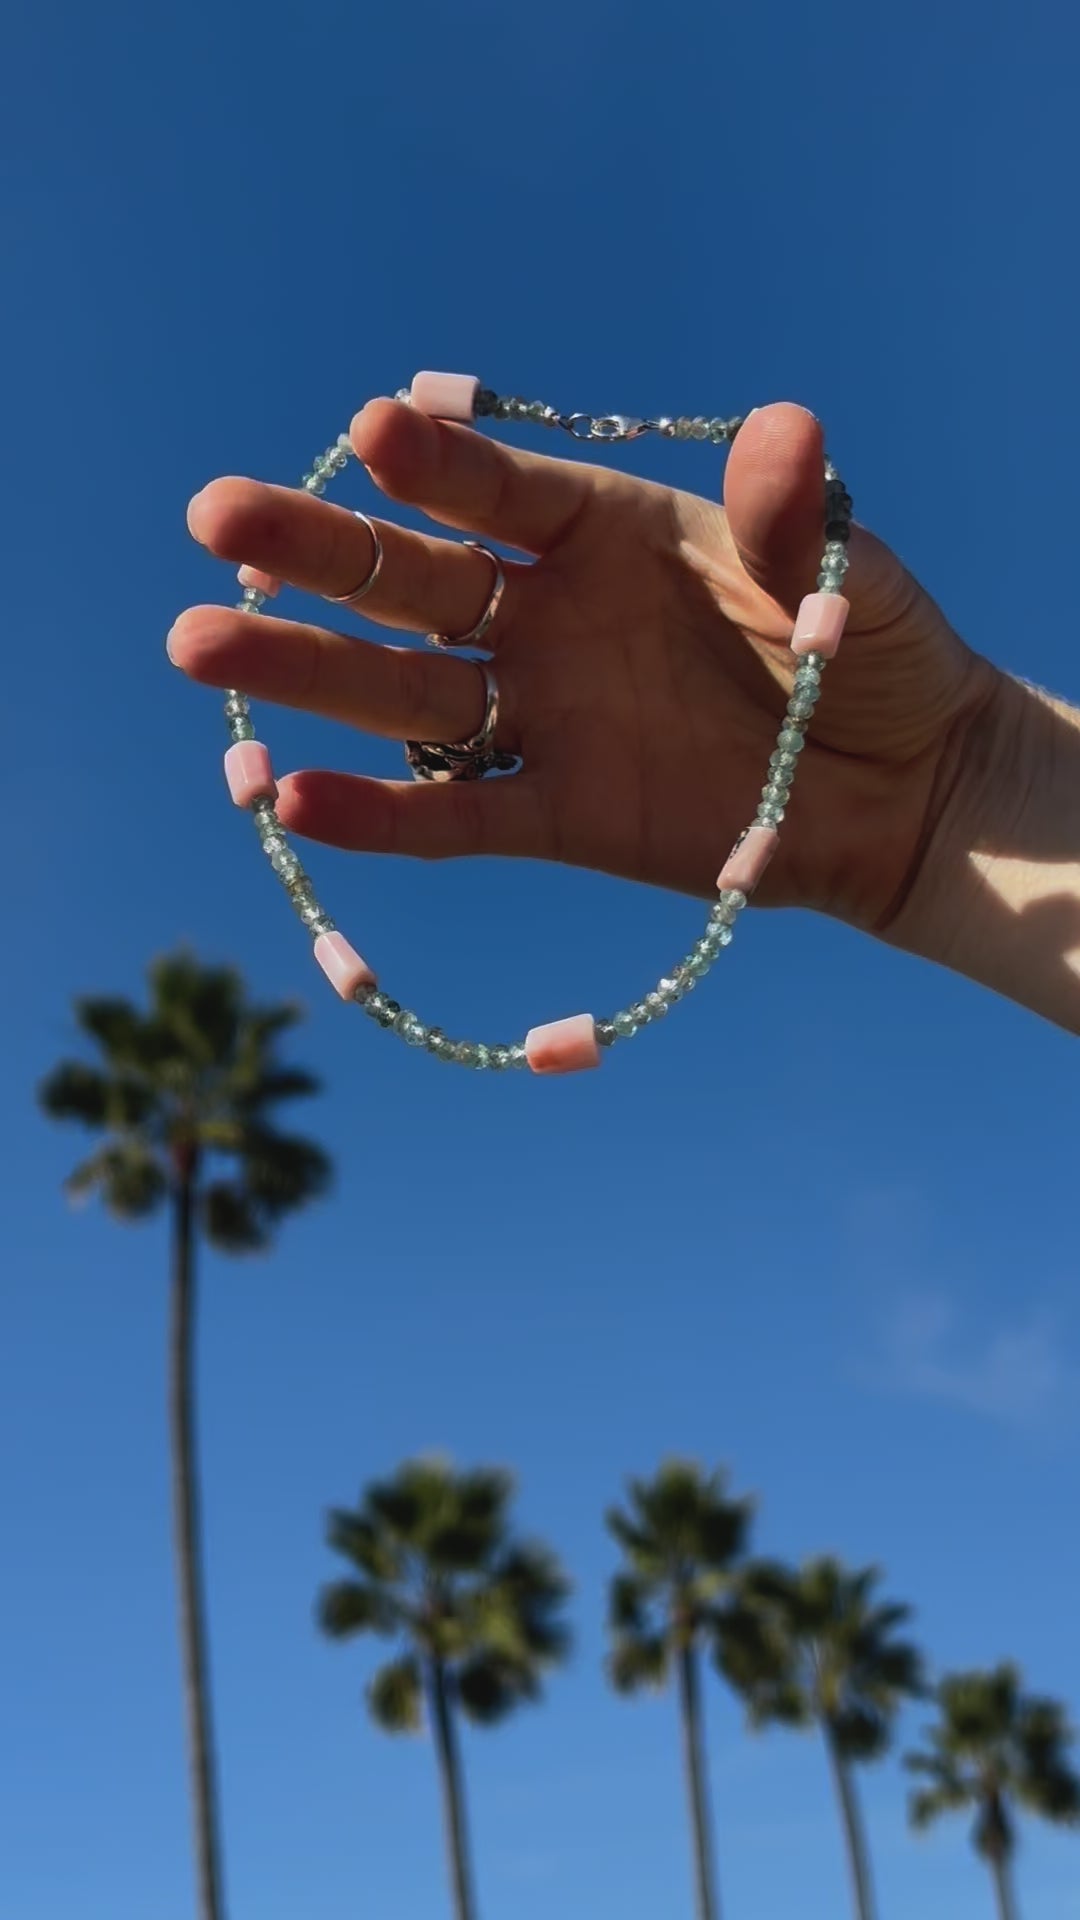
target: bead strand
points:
(576, 1042)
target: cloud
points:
(1021, 1375)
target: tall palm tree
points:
(812, 1647)
(477, 1616)
(177, 1088)
(682, 1536)
(993, 1750)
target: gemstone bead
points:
(563, 1046)
(624, 1024)
(249, 773)
(446, 396)
(342, 965)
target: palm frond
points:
(370, 1551)
(347, 1607)
(280, 1083)
(489, 1688)
(230, 1220)
(636, 1662)
(281, 1172)
(128, 1177)
(395, 1696)
(199, 1007)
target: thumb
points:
(774, 494)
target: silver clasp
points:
(605, 426)
(619, 426)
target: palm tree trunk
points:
(707, 1902)
(1005, 1898)
(188, 1553)
(453, 1798)
(858, 1857)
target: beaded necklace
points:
(565, 1045)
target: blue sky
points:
(821, 1226)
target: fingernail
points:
(169, 645)
(196, 515)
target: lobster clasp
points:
(618, 426)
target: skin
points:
(642, 657)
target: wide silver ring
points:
(476, 634)
(357, 593)
(465, 759)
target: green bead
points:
(466, 1053)
(410, 1029)
(624, 1024)
(606, 1035)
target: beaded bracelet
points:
(563, 1045)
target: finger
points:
(427, 821)
(774, 493)
(400, 692)
(467, 480)
(424, 584)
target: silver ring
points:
(357, 593)
(465, 759)
(476, 634)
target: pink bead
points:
(820, 623)
(564, 1045)
(249, 773)
(267, 583)
(445, 396)
(748, 860)
(342, 964)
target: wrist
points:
(996, 892)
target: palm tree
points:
(995, 1749)
(813, 1647)
(476, 1615)
(176, 1088)
(682, 1536)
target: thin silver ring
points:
(357, 593)
(476, 634)
(466, 759)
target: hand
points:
(642, 660)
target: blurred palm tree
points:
(995, 1749)
(476, 1614)
(176, 1090)
(811, 1646)
(682, 1536)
